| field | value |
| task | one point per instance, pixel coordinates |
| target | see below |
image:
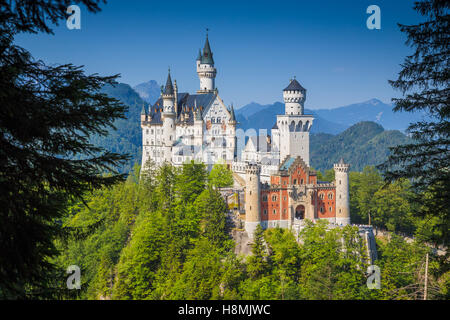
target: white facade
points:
(181, 127)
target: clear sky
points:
(258, 46)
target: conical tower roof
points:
(294, 86)
(207, 57)
(233, 116)
(169, 87)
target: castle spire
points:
(207, 57)
(169, 87)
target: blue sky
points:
(258, 46)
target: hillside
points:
(127, 137)
(365, 143)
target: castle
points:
(181, 127)
(273, 171)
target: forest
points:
(167, 235)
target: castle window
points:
(274, 211)
(321, 210)
(301, 181)
(265, 211)
(339, 181)
(274, 198)
(330, 196)
(321, 196)
(340, 196)
(295, 181)
(146, 131)
(151, 131)
(264, 198)
(250, 192)
(330, 208)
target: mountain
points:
(127, 137)
(259, 116)
(365, 143)
(148, 91)
(372, 110)
(332, 121)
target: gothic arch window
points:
(321, 196)
(295, 181)
(265, 211)
(330, 196)
(330, 209)
(274, 211)
(264, 198)
(301, 181)
(321, 209)
(274, 197)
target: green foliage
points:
(424, 82)
(220, 176)
(48, 115)
(333, 263)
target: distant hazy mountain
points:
(331, 120)
(127, 138)
(372, 110)
(148, 91)
(365, 143)
(259, 116)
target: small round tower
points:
(205, 69)
(252, 198)
(168, 117)
(342, 192)
(294, 96)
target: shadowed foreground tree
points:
(47, 116)
(424, 82)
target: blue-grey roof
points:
(169, 88)
(187, 104)
(294, 86)
(207, 56)
(287, 164)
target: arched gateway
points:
(300, 212)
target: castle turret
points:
(143, 114)
(252, 198)
(294, 96)
(231, 134)
(198, 129)
(169, 116)
(294, 126)
(342, 193)
(205, 69)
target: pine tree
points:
(48, 115)
(424, 83)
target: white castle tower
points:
(168, 117)
(205, 69)
(342, 192)
(252, 194)
(294, 125)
